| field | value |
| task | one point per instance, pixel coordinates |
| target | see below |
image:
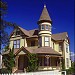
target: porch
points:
(49, 62)
(45, 62)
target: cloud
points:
(72, 54)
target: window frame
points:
(16, 45)
(67, 61)
(46, 41)
(46, 27)
(42, 27)
(53, 45)
(67, 48)
(33, 43)
(60, 46)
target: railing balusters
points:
(39, 73)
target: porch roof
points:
(41, 50)
(17, 50)
(46, 50)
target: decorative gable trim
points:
(22, 49)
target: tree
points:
(4, 37)
(32, 62)
(9, 60)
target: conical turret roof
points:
(45, 16)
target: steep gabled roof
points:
(59, 36)
(33, 32)
(17, 50)
(24, 31)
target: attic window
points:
(17, 32)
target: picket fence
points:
(40, 73)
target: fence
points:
(40, 73)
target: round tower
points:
(45, 28)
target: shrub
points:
(4, 70)
(32, 63)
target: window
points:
(60, 46)
(42, 27)
(16, 43)
(32, 43)
(50, 28)
(40, 61)
(46, 61)
(67, 61)
(46, 41)
(53, 45)
(47, 28)
(17, 32)
(66, 48)
(40, 41)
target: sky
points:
(26, 13)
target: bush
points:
(32, 63)
(71, 70)
(4, 70)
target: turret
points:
(45, 28)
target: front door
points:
(22, 62)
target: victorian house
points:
(51, 49)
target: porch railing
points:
(39, 73)
(49, 68)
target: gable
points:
(21, 52)
(18, 32)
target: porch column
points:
(47, 57)
(50, 61)
(42, 61)
(60, 63)
(16, 62)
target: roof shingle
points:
(45, 15)
(59, 36)
(46, 50)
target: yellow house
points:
(52, 49)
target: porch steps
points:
(19, 71)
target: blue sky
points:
(26, 13)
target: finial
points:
(44, 5)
